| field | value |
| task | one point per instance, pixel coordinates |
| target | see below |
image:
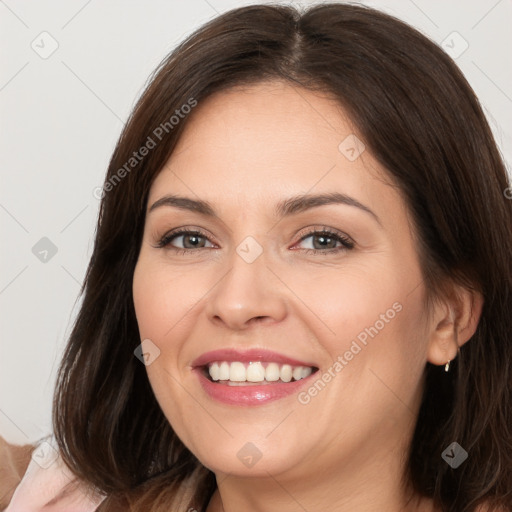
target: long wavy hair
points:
(422, 121)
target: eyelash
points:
(347, 243)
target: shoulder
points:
(14, 460)
(37, 479)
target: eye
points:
(326, 240)
(187, 240)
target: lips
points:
(250, 377)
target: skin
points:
(243, 151)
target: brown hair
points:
(421, 120)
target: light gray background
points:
(61, 116)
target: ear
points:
(454, 322)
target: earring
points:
(447, 365)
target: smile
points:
(250, 377)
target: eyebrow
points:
(284, 208)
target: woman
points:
(300, 291)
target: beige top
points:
(14, 461)
(34, 478)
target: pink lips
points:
(248, 395)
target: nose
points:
(247, 294)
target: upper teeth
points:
(256, 371)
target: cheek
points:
(371, 316)
(163, 297)
(346, 301)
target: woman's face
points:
(248, 298)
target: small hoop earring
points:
(447, 365)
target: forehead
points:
(267, 141)
(270, 116)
